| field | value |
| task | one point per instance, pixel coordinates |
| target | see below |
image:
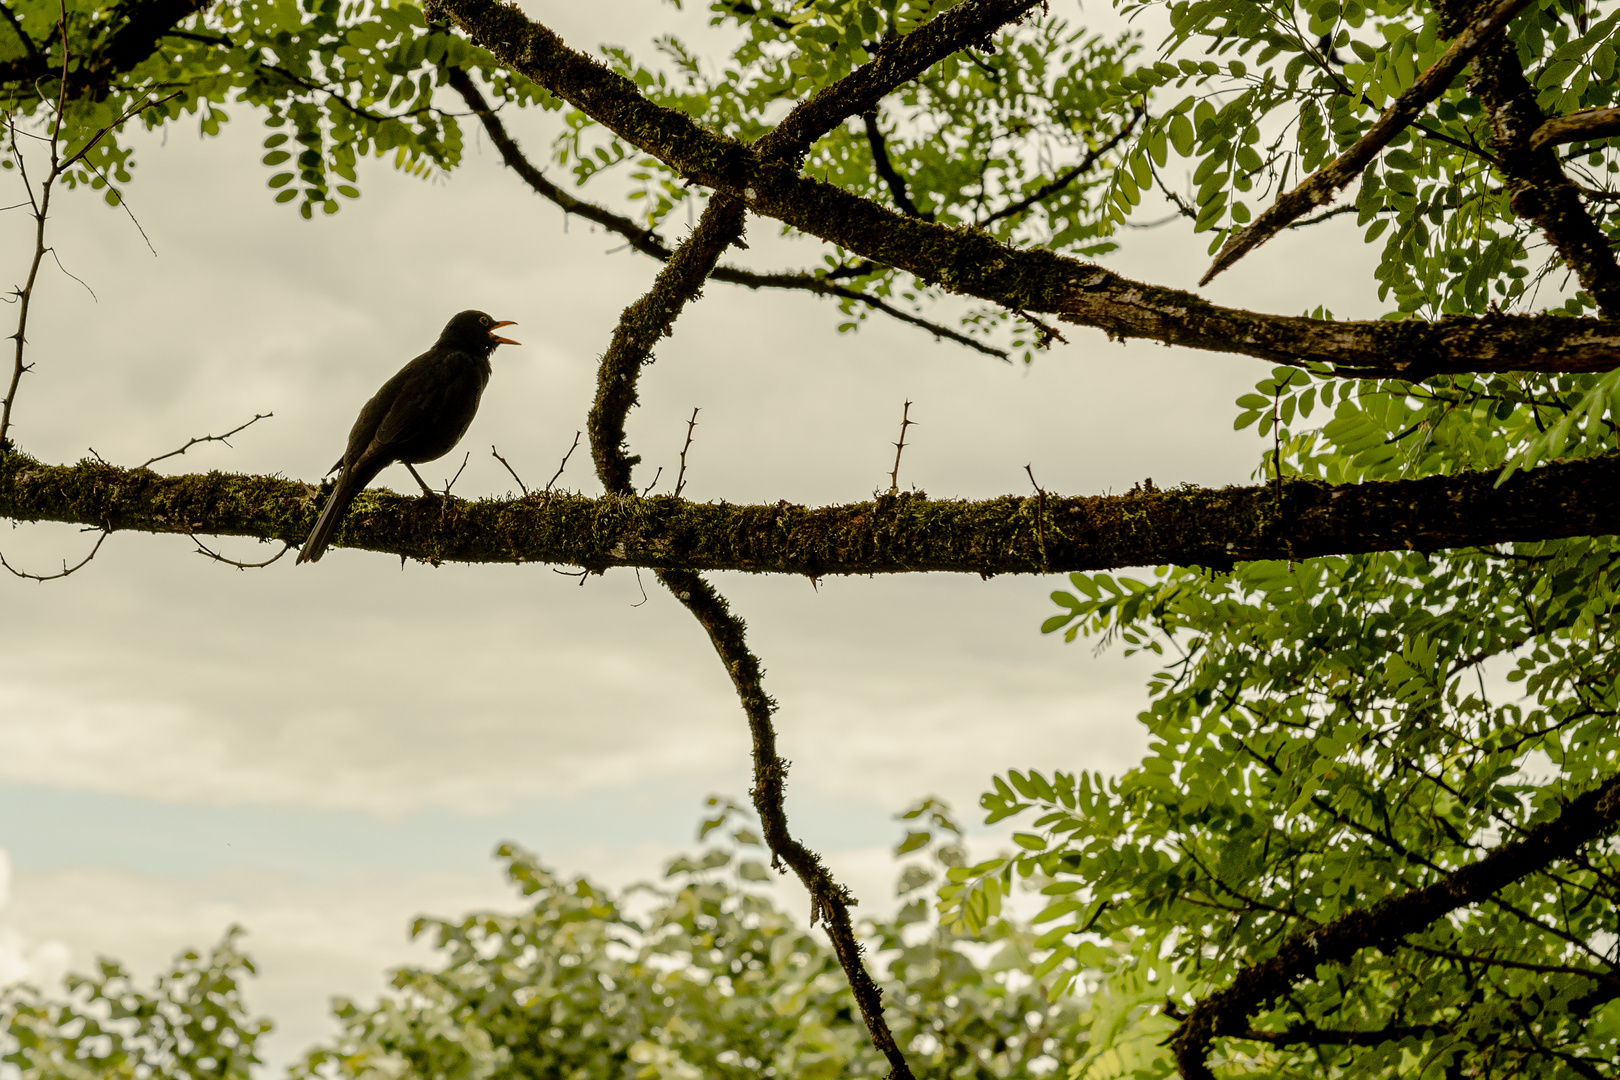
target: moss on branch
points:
(906, 533)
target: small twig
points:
(452, 481)
(899, 448)
(680, 477)
(564, 464)
(581, 574)
(66, 569)
(642, 587)
(58, 260)
(1040, 517)
(1276, 444)
(204, 549)
(42, 205)
(1045, 333)
(497, 455)
(654, 483)
(149, 462)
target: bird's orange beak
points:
(493, 336)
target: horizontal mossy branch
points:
(906, 533)
(973, 263)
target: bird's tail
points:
(349, 484)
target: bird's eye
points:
(485, 320)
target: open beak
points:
(493, 336)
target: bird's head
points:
(475, 332)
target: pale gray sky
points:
(322, 752)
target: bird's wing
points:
(423, 391)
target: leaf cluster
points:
(192, 1025)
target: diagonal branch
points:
(1069, 175)
(885, 168)
(896, 63)
(1226, 1014)
(969, 262)
(640, 327)
(29, 47)
(910, 533)
(1582, 126)
(829, 901)
(133, 27)
(648, 242)
(1538, 188)
(1397, 117)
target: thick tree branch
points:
(1584, 126)
(641, 326)
(1311, 1035)
(133, 31)
(909, 533)
(1538, 188)
(896, 63)
(972, 263)
(648, 242)
(1397, 117)
(1226, 1013)
(29, 47)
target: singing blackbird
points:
(418, 415)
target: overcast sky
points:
(321, 752)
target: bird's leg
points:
(429, 492)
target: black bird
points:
(418, 415)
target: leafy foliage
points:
(193, 1025)
(703, 977)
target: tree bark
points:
(905, 533)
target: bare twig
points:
(149, 462)
(497, 455)
(1045, 333)
(66, 569)
(555, 476)
(649, 487)
(204, 549)
(1040, 517)
(1276, 443)
(452, 481)
(42, 206)
(680, 477)
(899, 448)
